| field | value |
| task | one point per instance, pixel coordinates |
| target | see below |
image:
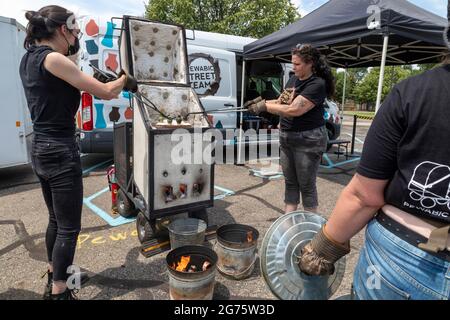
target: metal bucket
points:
(188, 231)
(236, 252)
(196, 285)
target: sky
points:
(16, 8)
(438, 7)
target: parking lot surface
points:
(110, 254)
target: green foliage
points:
(256, 18)
(362, 83)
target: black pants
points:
(56, 162)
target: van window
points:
(265, 79)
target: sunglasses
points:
(301, 47)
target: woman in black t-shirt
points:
(52, 84)
(303, 137)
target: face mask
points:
(73, 49)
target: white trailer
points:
(15, 122)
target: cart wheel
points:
(143, 227)
(199, 214)
(125, 206)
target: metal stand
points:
(352, 152)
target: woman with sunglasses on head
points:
(303, 136)
(52, 83)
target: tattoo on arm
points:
(301, 103)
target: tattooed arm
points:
(298, 107)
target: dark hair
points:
(42, 24)
(320, 65)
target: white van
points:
(15, 122)
(215, 67)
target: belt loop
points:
(437, 241)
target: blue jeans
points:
(300, 154)
(56, 162)
(392, 269)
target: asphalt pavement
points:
(108, 248)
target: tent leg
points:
(383, 65)
(239, 161)
(344, 93)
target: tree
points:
(362, 83)
(354, 76)
(256, 18)
(366, 90)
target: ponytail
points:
(42, 24)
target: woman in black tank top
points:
(52, 84)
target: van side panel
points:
(15, 122)
(212, 75)
(100, 48)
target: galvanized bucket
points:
(236, 248)
(188, 231)
(196, 285)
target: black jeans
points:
(300, 154)
(56, 162)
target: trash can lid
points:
(280, 250)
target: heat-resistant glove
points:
(130, 82)
(319, 256)
(250, 102)
(258, 107)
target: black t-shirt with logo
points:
(409, 144)
(52, 101)
(313, 89)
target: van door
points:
(212, 73)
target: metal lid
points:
(154, 52)
(280, 250)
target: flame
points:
(182, 265)
(249, 236)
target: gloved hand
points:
(286, 96)
(319, 256)
(250, 102)
(258, 107)
(130, 82)
(104, 77)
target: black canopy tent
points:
(360, 33)
(350, 33)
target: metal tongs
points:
(183, 115)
